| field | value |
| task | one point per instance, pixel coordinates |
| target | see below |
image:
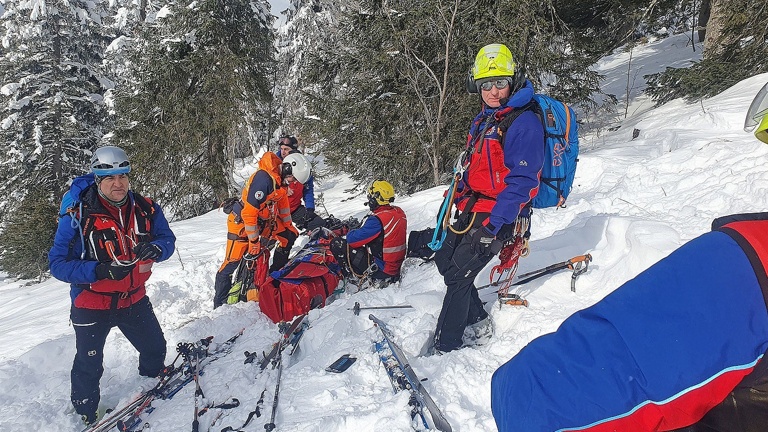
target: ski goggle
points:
(498, 83)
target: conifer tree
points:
(53, 116)
(53, 95)
(386, 92)
(195, 88)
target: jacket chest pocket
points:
(105, 245)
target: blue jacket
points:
(370, 230)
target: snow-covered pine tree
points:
(386, 90)
(196, 89)
(53, 116)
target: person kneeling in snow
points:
(682, 345)
(105, 247)
(376, 249)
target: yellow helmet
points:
(381, 192)
(493, 60)
(762, 130)
(757, 115)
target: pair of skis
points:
(172, 379)
(402, 377)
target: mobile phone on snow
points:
(342, 364)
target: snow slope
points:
(634, 201)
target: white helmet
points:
(297, 165)
(110, 160)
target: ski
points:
(172, 379)
(402, 377)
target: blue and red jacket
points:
(503, 171)
(94, 233)
(658, 352)
(385, 234)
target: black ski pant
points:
(282, 253)
(138, 324)
(459, 267)
(223, 283)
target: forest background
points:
(376, 86)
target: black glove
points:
(310, 213)
(147, 251)
(110, 270)
(484, 243)
(228, 204)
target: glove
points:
(147, 251)
(310, 213)
(228, 204)
(249, 256)
(484, 243)
(254, 248)
(110, 270)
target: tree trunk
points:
(704, 12)
(713, 42)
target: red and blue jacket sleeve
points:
(371, 229)
(656, 354)
(162, 235)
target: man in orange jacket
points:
(266, 211)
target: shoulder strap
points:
(514, 114)
(145, 204)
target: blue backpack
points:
(561, 133)
(561, 150)
(71, 198)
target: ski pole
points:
(358, 308)
(271, 425)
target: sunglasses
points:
(499, 84)
(110, 166)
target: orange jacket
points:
(266, 210)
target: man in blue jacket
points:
(500, 178)
(104, 247)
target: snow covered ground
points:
(634, 202)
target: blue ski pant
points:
(223, 283)
(138, 324)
